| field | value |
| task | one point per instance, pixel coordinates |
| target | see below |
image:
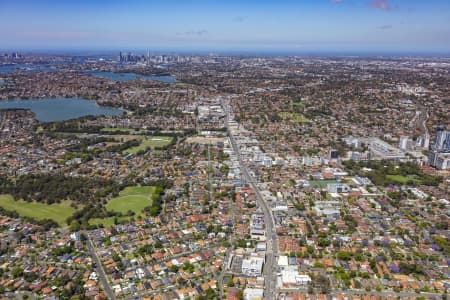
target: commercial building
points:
(382, 150)
(253, 266)
(253, 294)
(338, 187)
(257, 226)
(291, 277)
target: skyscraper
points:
(442, 141)
(403, 143)
(440, 151)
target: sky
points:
(291, 26)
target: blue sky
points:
(377, 26)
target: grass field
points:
(138, 190)
(57, 212)
(150, 142)
(402, 179)
(134, 198)
(134, 203)
(107, 222)
(293, 117)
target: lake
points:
(132, 76)
(61, 109)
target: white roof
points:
(254, 263)
(253, 294)
(283, 260)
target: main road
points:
(270, 266)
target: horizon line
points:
(286, 52)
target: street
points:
(272, 248)
(99, 267)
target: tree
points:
(323, 242)
(344, 255)
(17, 272)
(240, 295)
(115, 256)
(74, 226)
(230, 282)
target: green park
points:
(58, 212)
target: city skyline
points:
(325, 26)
